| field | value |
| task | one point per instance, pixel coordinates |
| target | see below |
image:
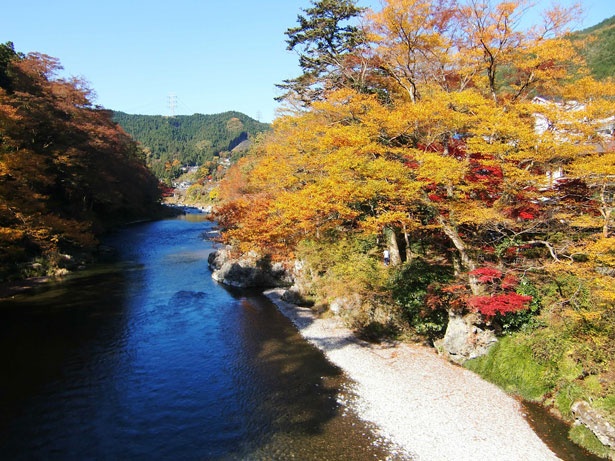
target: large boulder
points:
(464, 339)
(594, 421)
(247, 271)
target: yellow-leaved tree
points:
(486, 142)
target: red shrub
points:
(499, 304)
(509, 282)
(487, 274)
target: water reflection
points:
(148, 358)
(555, 434)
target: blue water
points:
(145, 357)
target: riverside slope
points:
(430, 408)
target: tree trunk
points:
(409, 254)
(393, 246)
(605, 227)
(605, 210)
(457, 269)
(467, 262)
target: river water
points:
(146, 358)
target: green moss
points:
(607, 405)
(568, 394)
(511, 365)
(582, 436)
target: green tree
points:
(328, 45)
(7, 54)
(187, 139)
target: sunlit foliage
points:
(476, 145)
(67, 171)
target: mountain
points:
(600, 49)
(173, 143)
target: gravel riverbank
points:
(432, 409)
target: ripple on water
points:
(150, 359)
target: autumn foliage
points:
(479, 153)
(67, 171)
(502, 299)
(460, 137)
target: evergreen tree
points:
(329, 48)
(7, 54)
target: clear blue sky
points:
(212, 55)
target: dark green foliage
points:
(514, 321)
(325, 39)
(412, 286)
(7, 54)
(173, 142)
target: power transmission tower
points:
(172, 103)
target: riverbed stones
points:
(428, 408)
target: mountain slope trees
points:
(171, 143)
(67, 171)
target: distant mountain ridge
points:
(600, 52)
(171, 143)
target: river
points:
(146, 358)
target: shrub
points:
(510, 303)
(415, 287)
(350, 269)
(501, 303)
(514, 321)
(340, 268)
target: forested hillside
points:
(67, 171)
(171, 143)
(480, 156)
(600, 50)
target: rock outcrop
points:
(463, 339)
(247, 271)
(595, 422)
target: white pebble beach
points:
(430, 408)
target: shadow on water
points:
(40, 329)
(554, 433)
(148, 358)
(305, 415)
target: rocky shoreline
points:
(428, 407)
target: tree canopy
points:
(67, 171)
(478, 115)
(328, 43)
(479, 153)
